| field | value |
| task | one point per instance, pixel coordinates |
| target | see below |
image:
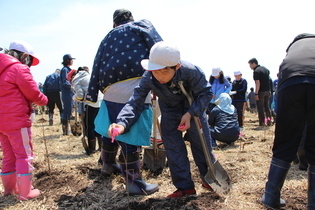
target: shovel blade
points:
(85, 146)
(222, 183)
(154, 161)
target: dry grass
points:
(69, 179)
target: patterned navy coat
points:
(120, 53)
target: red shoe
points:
(207, 187)
(181, 193)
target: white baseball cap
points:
(216, 71)
(237, 73)
(162, 54)
(24, 47)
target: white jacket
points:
(80, 84)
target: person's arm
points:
(135, 105)
(257, 87)
(28, 86)
(63, 78)
(200, 88)
(228, 86)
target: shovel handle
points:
(200, 133)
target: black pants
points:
(54, 99)
(89, 117)
(263, 107)
(240, 107)
(296, 106)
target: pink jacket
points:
(17, 91)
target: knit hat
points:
(122, 15)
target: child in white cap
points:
(18, 92)
(164, 71)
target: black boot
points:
(311, 188)
(108, 156)
(51, 119)
(65, 127)
(92, 145)
(130, 168)
(277, 174)
(303, 164)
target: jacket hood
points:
(224, 102)
(6, 61)
(80, 75)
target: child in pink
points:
(18, 92)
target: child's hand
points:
(115, 130)
(185, 122)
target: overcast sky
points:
(219, 33)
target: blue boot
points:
(311, 188)
(277, 174)
(130, 169)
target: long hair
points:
(22, 57)
(221, 78)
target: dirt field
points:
(69, 179)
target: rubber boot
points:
(130, 168)
(65, 129)
(92, 145)
(303, 164)
(9, 183)
(25, 187)
(277, 174)
(311, 188)
(108, 156)
(51, 119)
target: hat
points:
(237, 73)
(162, 54)
(25, 48)
(216, 71)
(122, 15)
(70, 74)
(67, 57)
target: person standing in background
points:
(51, 89)
(219, 84)
(239, 85)
(262, 91)
(252, 100)
(66, 93)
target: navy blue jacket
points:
(224, 126)
(52, 83)
(240, 87)
(119, 55)
(173, 103)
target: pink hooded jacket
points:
(17, 91)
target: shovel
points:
(153, 157)
(216, 176)
(75, 125)
(83, 139)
